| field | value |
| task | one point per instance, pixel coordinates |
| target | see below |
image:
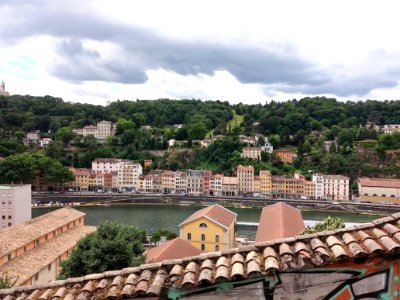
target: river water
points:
(153, 217)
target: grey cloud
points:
(143, 49)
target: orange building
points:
(285, 155)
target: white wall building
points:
(331, 187)
(15, 204)
(105, 165)
(128, 174)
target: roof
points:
(379, 238)
(80, 171)
(245, 168)
(176, 248)
(341, 177)
(215, 213)
(106, 160)
(19, 235)
(380, 182)
(27, 265)
(277, 221)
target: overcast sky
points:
(239, 51)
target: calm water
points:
(153, 217)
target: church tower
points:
(3, 89)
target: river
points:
(153, 217)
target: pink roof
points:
(215, 213)
(278, 221)
(174, 249)
(380, 182)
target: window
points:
(24, 248)
(203, 225)
(9, 217)
(189, 236)
(203, 247)
(37, 243)
(36, 276)
(9, 257)
(203, 237)
(217, 238)
(216, 248)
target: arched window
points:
(216, 248)
(203, 225)
(203, 247)
(393, 196)
(189, 236)
(374, 195)
(383, 195)
(217, 238)
(203, 237)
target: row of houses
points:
(125, 175)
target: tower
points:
(3, 89)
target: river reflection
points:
(153, 217)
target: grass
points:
(236, 121)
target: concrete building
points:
(168, 183)
(216, 182)
(210, 229)
(15, 205)
(384, 190)
(81, 182)
(105, 129)
(3, 91)
(245, 175)
(251, 152)
(285, 155)
(30, 252)
(180, 182)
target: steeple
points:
(3, 89)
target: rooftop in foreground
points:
(379, 238)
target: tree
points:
(197, 131)
(112, 247)
(6, 281)
(65, 134)
(329, 223)
(156, 236)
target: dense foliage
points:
(329, 223)
(168, 234)
(6, 281)
(112, 247)
(303, 125)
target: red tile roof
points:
(278, 221)
(380, 182)
(176, 248)
(215, 213)
(378, 239)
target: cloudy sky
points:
(239, 51)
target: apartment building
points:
(251, 152)
(230, 186)
(194, 180)
(102, 131)
(81, 181)
(168, 183)
(256, 184)
(15, 204)
(216, 182)
(180, 182)
(331, 187)
(265, 183)
(285, 155)
(30, 252)
(245, 175)
(283, 187)
(105, 165)
(128, 174)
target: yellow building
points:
(265, 182)
(285, 155)
(81, 181)
(210, 229)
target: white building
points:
(128, 174)
(105, 165)
(216, 184)
(15, 204)
(268, 148)
(105, 129)
(251, 152)
(44, 142)
(332, 187)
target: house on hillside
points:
(210, 229)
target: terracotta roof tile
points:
(215, 212)
(308, 251)
(176, 248)
(380, 182)
(279, 220)
(19, 235)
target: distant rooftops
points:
(380, 182)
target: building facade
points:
(245, 175)
(210, 229)
(285, 155)
(251, 152)
(382, 190)
(15, 204)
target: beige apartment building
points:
(230, 186)
(128, 174)
(245, 176)
(30, 252)
(336, 187)
(256, 184)
(251, 152)
(81, 181)
(105, 165)
(265, 183)
(105, 129)
(15, 204)
(180, 182)
(216, 182)
(283, 187)
(384, 190)
(168, 184)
